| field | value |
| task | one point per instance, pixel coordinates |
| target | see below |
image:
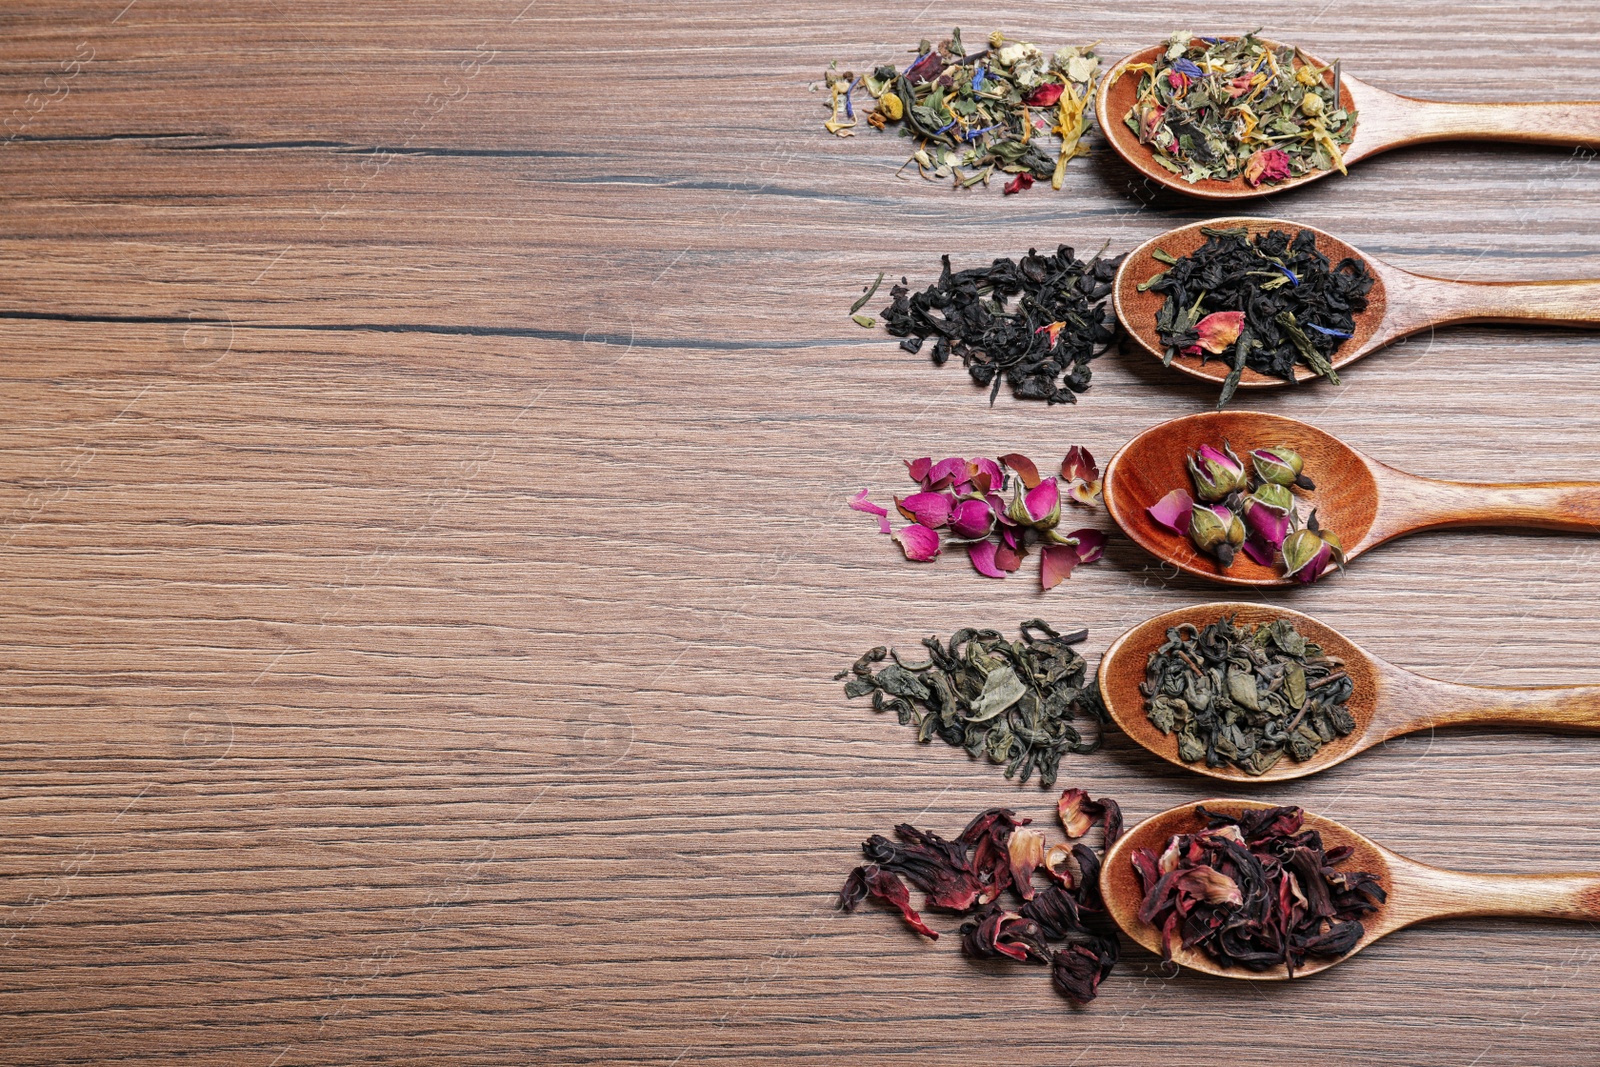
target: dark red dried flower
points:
(969, 873)
(1077, 969)
(997, 932)
(873, 881)
(1257, 890)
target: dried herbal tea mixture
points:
(1246, 695)
(996, 854)
(1003, 107)
(1265, 303)
(1216, 108)
(1012, 701)
(960, 502)
(1251, 508)
(1255, 891)
(1040, 345)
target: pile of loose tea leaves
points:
(996, 853)
(960, 502)
(1265, 303)
(1014, 702)
(1003, 107)
(1255, 891)
(1245, 695)
(1214, 108)
(1040, 345)
(1251, 508)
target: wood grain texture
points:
(427, 434)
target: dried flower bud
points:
(1311, 104)
(1216, 474)
(1039, 509)
(1280, 466)
(1215, 529)
(1306, 555)
(1274, 497)
(890, 107)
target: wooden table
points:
(427, 434)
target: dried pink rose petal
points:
(988, 468)
(1262, 554)
(929, 509)
(919, 468)
(1025, 468)
(1218, 330)
(1267, 165)
(1083, 477)
(1091, 544)
(859, 502)
(1009, 559)
(1172, 511)
(918, 543)
(982, 557)
(945, 473)
(1055, 564)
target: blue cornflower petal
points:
(1184, 66)
(1292, 279)
(849, 110)
(973, 135)
(945, 127)
(1330, 333)
(977, 77)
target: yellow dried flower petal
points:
(892, 108)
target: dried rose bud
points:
(1215, 529)
(1039, 509)
(1280, 466)
(1216, 474)
(971, 519)
(1266, 524)
(1306, 555)
(1273, 497)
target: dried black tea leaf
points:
(1040, 344)
(1246, 695)
(1013, 702)
(1255, 891)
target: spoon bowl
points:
(1122, 671)
(1386, 701)
(1399, 304)
(1153, 464)
(1384, 120)
(1361, 500)
(1416, 892)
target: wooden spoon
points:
(1417, 892)
(1361, 500)
(1399, 304)
(1388, 701)
(1383, 121)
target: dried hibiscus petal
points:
(1078, 969)
(873, 881)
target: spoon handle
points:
(1411, 503)
(1437, 894)
(1428, 702)
(1574, 123)
(1569, 303)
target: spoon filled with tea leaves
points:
(1382, 120)
(1377, 890)
(1362, 501)
(1340, 698)
(1396, 303)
